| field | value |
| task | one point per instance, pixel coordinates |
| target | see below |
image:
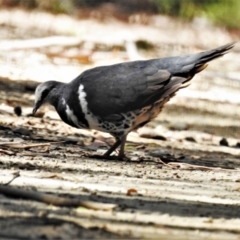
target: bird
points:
(123, 97)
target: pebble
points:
(223, 142)
(22, 131)
(18, 110)
(238, 144)
(190, 139)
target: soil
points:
(181, 179)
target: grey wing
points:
(120, 88)
(126, 87)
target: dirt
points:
(181, 180)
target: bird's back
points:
(128, 95)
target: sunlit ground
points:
(186, 180)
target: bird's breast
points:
(77, 114)
(71, 115)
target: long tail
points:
(189, 65)
(210, 55)
(181, 70)
(195, 63)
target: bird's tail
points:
(182, 70)
(193, 64)
(207, 56)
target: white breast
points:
(92, 120)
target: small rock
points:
(190, 139)
(153, 136)
(223, 142)
(238, 145)
(22, 131)
(18, 110)
(159, 137)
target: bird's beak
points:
(36, 107)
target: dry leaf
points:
(131, 191)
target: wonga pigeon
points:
(122, 97)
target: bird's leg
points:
(113, 147)
(123, 141)
(119, 141)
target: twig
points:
(22, 146)
(199, 167)
(193, 166)
(42, 154)
(54, 200)
(46, 149)
(15, 175)
(7, 152)
(162, 162)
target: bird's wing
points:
(119, 88)
(123, 87)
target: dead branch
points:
(15, 175)
(188, 166)
(54, 200)
(7, 152)
(24, 146)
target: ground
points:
(182, 178)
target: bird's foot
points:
(112, 157)
(121, 155)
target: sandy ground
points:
(182, 180)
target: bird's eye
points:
(44, 94)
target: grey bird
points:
(122, 97)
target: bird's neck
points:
(56, 93)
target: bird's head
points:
(44, 93)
